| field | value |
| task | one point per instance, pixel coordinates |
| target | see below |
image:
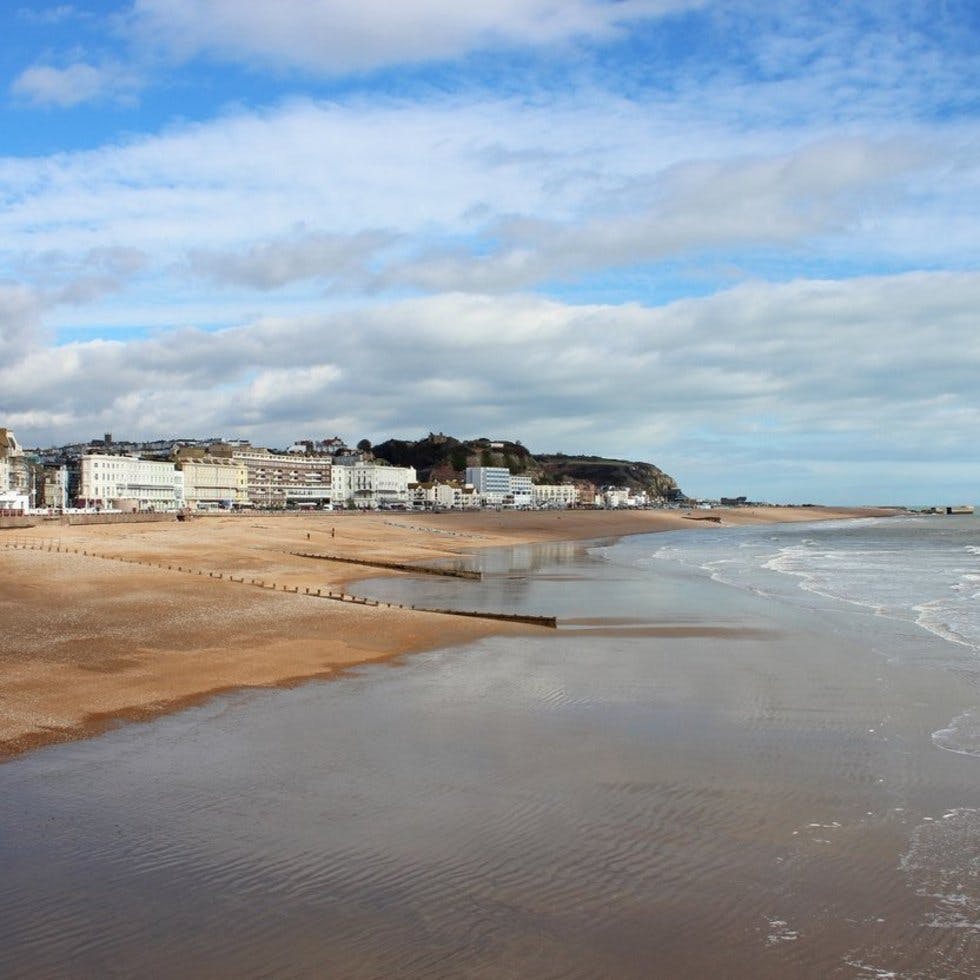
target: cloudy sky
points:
(739, 240)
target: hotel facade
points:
(107, 481)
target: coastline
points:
(98, 639)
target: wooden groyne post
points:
(396, 566)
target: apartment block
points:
(129, 483)
(446, 496)
(275, 480)
(556, 495)
(15, 472)
(212, 482)
(370, 486)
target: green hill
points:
(441, 457)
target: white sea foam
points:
(961, 735)
(780, 932)
(942, 864)
(920, 571)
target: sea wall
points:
(10, 522)
(77, 519)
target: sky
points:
(738, 240)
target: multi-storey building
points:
(495, 486)
(212, 482)
(556, 495)
(613, 497)
(15, 470)
(373, 485)
(489, 479)
(54, 487)
(448, 496)
(278, 480)
(129, 483)
(491, 484)
(521, 490)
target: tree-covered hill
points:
(441, 457)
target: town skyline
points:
(737, 242)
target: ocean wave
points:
(901, 569)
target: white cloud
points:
(333, 36)
(45, 85)
(803, 374)
(303, 255)
(20, 323)
(485, 196)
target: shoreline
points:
(92, 642)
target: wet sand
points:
(757, 797)
(92, 639)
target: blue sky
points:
(737, 240)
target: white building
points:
(371, 486)
(489, 479)
(557, 495)
(11, 500)
(491, 484)
(613, 497)
(521, 491)
(15, 474)
(129, 483)
(447, 496)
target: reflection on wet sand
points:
(749, 794)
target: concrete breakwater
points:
(396, 566)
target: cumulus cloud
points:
(20, 310)
(332, 36)
(301, 256)
(80, 279)
(46, 85)
(776, 199)
(806, 373)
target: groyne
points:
(52, 547)
(396, 566)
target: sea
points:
(745, 752)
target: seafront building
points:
(613, 498)
(16, 483)
(521, 491)
(130, 483)
(497, 487)
(453, 495)
(490, 482)
(555, 495)
(198, 474)
(212, 482)
(369, 485)
(275, 479)
(54, 493)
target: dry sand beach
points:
(128, 621)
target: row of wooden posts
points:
(57, 547)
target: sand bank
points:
(111, 632)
